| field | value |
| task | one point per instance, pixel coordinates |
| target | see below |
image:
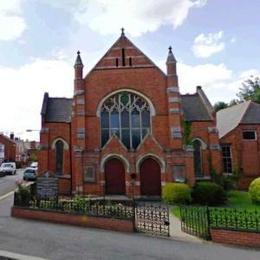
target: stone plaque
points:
(47, 187)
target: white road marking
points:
(7, 195)
(19, 256)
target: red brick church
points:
(128, 130)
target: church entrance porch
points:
(114, 177)
(150, 178)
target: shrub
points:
(208, 193)
(254, 191)
(23, 195)
(227, 181)
(176, 193)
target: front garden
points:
(235, 199)
(209, 205)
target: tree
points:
(250, 90)
(234, 102)
(220, 105)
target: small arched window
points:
(197, 154)
(59, 149)
(127, 116)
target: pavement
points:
(177, 234)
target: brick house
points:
(7, 148)
(239, 131)
(127, 129)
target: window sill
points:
(203, 178)
(228, 174)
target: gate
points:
(152, 218)
(195, 221)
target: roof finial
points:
(78, 61)
(122, 31)
(170, 58)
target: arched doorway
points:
(150, 178)
(115, 177)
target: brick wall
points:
(78, 220)
(47, 156)
(9, 148)
(245, 153)
(235, 237)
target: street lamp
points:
(32, 130)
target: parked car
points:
(8, 168)
(30, 174)
(34, 165)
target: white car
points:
(34, 165)
(8, 168)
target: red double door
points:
(115, 177)
(150, 177)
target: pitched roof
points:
(56, 109)
(245, 113)
(7, 138)
(196, 107)
(113, 58)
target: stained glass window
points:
(59, 146)
(127, 116)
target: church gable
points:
(124, 54)
(114, 144)
(149, 144)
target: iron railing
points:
(235, 219)
(119, 209)
(198, 220)
(195, 221)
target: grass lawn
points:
(240, 199)
(236, 199)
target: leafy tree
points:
(220, 105)
(234, 102)
(250, 90)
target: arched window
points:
(197, 146)
(127, 116)
(59, 148)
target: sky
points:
(216, 44)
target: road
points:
(8, 183)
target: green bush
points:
(254, 191)
(23, 195)
(228, 182)
(176, 193)
(208, 193)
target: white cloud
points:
(23, 92)
(12, 24)
(206, 45)
(138, 17)
(219, 82)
